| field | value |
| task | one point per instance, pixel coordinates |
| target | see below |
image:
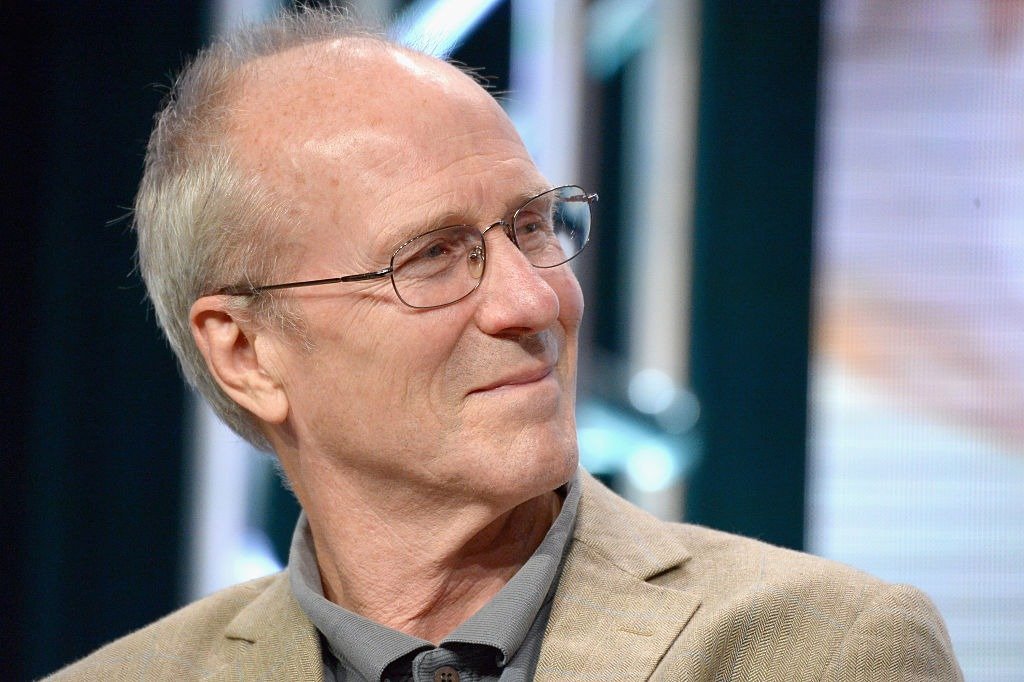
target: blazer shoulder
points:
(746, 558)
(186, 644)
(666, 552)
(820, 617)
(754, 610)
(722, 566)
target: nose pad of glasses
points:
(510, 233)
(476, 259)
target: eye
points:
(435, 250)
(532, 224)
(432, 257)
(431, 247)
(435, 253)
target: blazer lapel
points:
(607, 621)
(271, 639)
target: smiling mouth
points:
(521, 379)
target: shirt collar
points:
(502, 623)
(359, 642)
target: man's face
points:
(472, 401)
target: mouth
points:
(519, 379)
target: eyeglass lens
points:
(447, 264)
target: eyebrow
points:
(432, 221)
(457, 215)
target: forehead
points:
(350, 127)
(349, 82)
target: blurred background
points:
(806, 294)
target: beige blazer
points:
(639, 599)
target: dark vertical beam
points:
(752, 271)
(94, 512)
(21, 106)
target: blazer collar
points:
(607, 620)
(273, 639)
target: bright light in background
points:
(648, 465)
(651, 391)
(439, 26)
(652, 467)
(674, 408)
(546, 83)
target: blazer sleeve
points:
(898, 636)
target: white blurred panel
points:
(227, 481)
(917, 400)
(546, 83)
(662, 125)
(438, 27)
(227, 15)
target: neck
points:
(418, 567)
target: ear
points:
(240, 358)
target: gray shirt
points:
(501, 641)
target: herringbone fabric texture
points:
(252, 631)
(638, 599)
(641, 599)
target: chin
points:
(545, 467)
(509, 466)
(564, 465)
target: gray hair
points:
(204, 223)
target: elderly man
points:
(361, 268)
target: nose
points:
(514, 297)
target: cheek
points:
(402, 352)
(421, 354)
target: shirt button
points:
(446, 674)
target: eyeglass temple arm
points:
(255, 291)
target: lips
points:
(519, 378)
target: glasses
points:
(447, 264)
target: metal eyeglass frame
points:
(507, 227)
